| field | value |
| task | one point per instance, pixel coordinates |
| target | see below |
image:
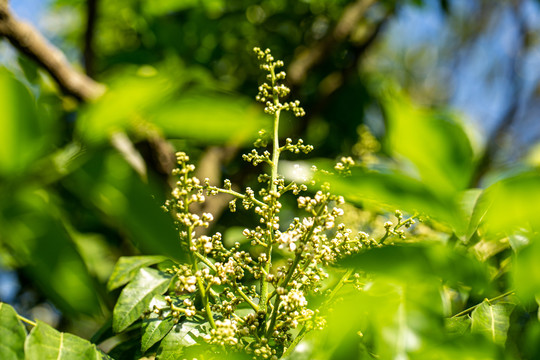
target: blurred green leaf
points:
(211, 118)
(458, 325)
(123, 107)
(34, 231)
(12, 333)
(492, 320)
(109, 184)
(420, 262)
(433, 142)
(44, 342)
(166, 6)
(526, 271)
(136, 296)
(21, 141)
(509, 205)
(146, 105)
(128, 266)
(394, 190)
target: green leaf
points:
(144, 104)
(458, 325)
(154, 329)
(128, 266)
(12, 333)
(510, 205)
(136, 296)
(394, 190)
(46, 251)
(179, 337)
(21, 138)
(212, 118)
(492, 320)
(166, 6)
(107, 182)
(46, 343)
(434, 142)
(420, 262)
(526, 271)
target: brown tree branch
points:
(29, 41)
(89, 34)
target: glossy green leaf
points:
(127, 267)
(172, 346)
(492, 320)
(136, 296)
(46, 343)
(21, 140)
(155, 329)
(435, 143)
(12, 334)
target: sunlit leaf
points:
(210, 118)
(492, 320)
(510, 205)
(526, 271)
(435, 143)
(136, 296)
(145, 106)
(12, 334)
(394, 190)
(44, 342)
(128, 266)
(419, 262)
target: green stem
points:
(28, 321)
(236, 194)
(466, 311)
(273, 191)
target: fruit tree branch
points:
(25, 38)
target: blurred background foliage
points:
(448, 91)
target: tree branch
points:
(89, 34)
(29, 41)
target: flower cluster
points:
(252, 298)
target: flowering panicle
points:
(252, 299)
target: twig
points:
(466, 311)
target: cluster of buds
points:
(273, 277)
